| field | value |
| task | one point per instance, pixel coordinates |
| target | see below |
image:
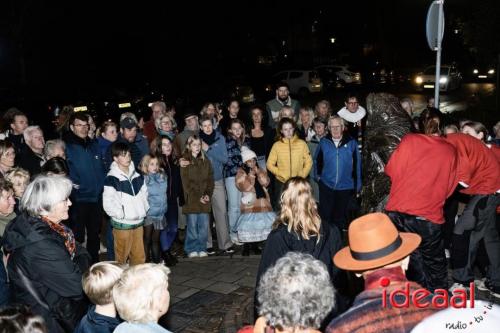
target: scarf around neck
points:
(209, 139)
(65, 233)
(350, 116)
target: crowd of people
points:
(282, 181)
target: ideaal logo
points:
(423, 298)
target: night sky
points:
(77, 45)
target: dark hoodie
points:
(94, 322)
(42, 274)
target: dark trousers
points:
(450, 212)
(428, 265)
(88, 216)
(333, 205)
(478, 222)
(278, 189)
(167, 235)
(4, 284)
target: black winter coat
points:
(280, 242)
(29, 161)
(40, 266)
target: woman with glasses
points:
(45, 263)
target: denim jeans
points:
(167, 235)
(233, 203)
(197, 233)
(261, 162)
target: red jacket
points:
(477, 165)
(149, 130)
(423, 172)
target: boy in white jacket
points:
(125, 200)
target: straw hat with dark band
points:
(374, 242)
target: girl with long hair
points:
(298, 227)
(155, 221)
(235, 140)
(198, 185)
(162, 146)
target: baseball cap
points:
(128, 123)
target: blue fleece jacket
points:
(334, 166)
(157, 194)
(217, 154)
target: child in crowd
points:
(56, 166)
(155, 222)
(198, 184)
(141, 297)
(125, 200)
(20, 179)
(257, 216)
(162, 147)
(98, 283)
(106, 135)
(235, 140)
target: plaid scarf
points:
(64, 232)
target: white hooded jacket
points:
(125, 197)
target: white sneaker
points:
(102, 249)
(458, 285)
(481, 284)
(203, 254)
(447, 253)
(193, 255)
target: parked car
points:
(301, 82)
(330, 78)
(450, 78)
(346, 74)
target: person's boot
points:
(255, 248)
(169, 259)
(246, 250)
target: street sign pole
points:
(438, 54)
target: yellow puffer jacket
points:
(289, 158)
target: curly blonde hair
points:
(299, 211)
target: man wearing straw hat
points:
(379, 253)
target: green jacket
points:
(197, 181)
(4, 220)
(275, 106)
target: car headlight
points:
(475, 71)
(443, 80)
(491, 71)
(419, 80)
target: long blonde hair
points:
(298, 209)
(187, 151)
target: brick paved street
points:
(213, 294)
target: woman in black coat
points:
(45, 263)
(298, 228)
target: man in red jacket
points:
(479, 175)
(423, 172)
